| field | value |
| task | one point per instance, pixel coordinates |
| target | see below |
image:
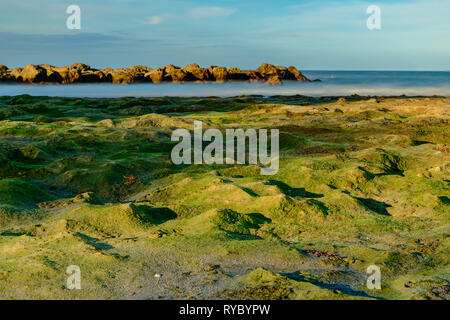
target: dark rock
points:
(237, 74)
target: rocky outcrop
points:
(155, 75)
(297, 74)
(33, 74)
(220, 74)
(4, 75)
(197, 73)
(82, 73)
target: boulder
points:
(103, 77)
(67, 75)
(170, 68)
(129, 75)
(284, 74)
(80, 67)
(70, 73)
(253, 75)
(297, 74)
(155, 75)
(89, 76)
(237, 74)
(197, 73)
(176, 75)
(33, 73)
(121, 75)
(5, 75)
(139, 69)
(220, 74)
(267, 70)
(52, 74)
(273, 80)
(15, 73)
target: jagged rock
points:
(82, 73)
(121, 75)
(89, 76)
(177, 75)
(220, 74)
(129, 75)
(273, 80)
(267, 70)
(237, 74)
(32, 73)
(15, 73)
(155, 75)
(52, 72)
(170, 68)
(284, 74)
(5, 76)
(173, 73)
(80, 66)
(71, 73)
(253, 75)
(297, 74)
(197, 73)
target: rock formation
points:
(81, 73)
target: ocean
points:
(333, 83)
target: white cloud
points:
(194, 13)
(156, 19)
(210, 12)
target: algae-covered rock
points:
(262, 284)
(230, 220)
(90, 181)
(119, 219)
(19, 192)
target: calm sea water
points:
(333, 83)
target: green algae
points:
(368, 184)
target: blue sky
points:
(310, 34)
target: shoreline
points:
(322, 97)
(229, 90)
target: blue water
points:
(333, 83)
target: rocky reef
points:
(89, 181)
(82, 73)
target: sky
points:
(309, 34)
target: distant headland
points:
(82, 73)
